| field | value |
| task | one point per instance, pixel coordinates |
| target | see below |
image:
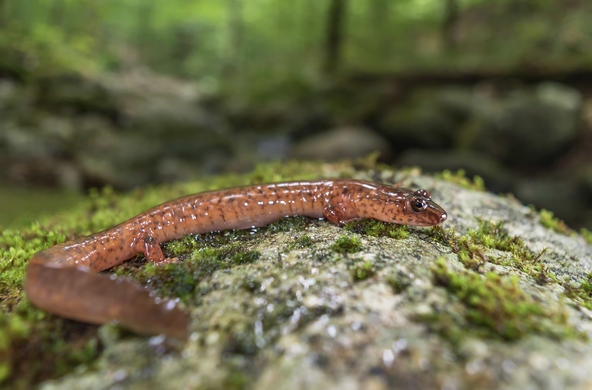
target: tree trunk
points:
(334, 37)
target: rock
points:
(524, 127)
(120, 129)
(72, 93)
(562, 196)
(428, 118)
(423, 316)
(340, 143)
(496, 176)
(529, 128)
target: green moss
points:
(470, 249)
(180, 278)
(250, 284)
(468, 252)
(287, 224)
(495, 306)
(301, 242)
(581, 293)
(35, 346)
(587, 234)
(362, 271)
(459, 177)
(347, 244)
(236, 380)
(398, 282)
(549, 221)
(372, 227)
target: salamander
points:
(65, 279)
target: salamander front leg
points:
(337, 213)
(152, 250)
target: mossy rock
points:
(490, 299)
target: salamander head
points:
(413, 208)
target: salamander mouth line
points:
(64, 279)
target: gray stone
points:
(340, 143)
(429, 118)
(496, 176)
(530, 127)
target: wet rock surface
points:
(381, 315)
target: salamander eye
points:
(419, 204)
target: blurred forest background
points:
(128, 93)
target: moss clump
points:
(347, 244)
(459, 177)
(35, 346)
(468, 252)
(587, 234)
(582, 293)
(236, 380)
(362, 271)
(180, 279)
(287, 224)
(250, 284)
(194, 242)
(398, 282)
(493, 235)
(301, 242)
(549, 221)
(372, 227)
(496, 307)
(470, 249)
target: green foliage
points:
(275, 45)
(347, 244)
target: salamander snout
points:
(422, 211)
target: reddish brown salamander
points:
(64, 279)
